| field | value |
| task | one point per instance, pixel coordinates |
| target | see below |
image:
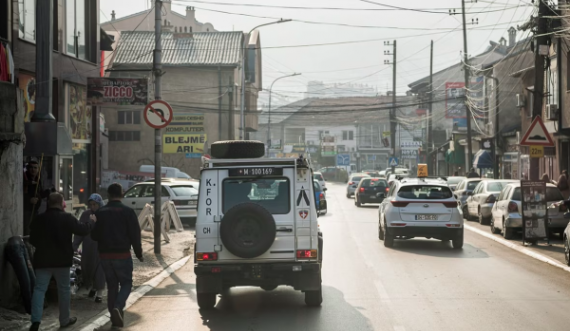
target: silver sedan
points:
(480, 202)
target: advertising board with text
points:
(534, 211)
(185, 135)
(186, 124)
(455, 100)
(107, 91)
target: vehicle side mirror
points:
(325, 189)
(469, 193)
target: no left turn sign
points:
(158, 114)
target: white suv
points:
(417, 207)
(257, 224)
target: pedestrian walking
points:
(473, 174)
(51, 235)
(116, 231)
(545, 178)
(93, 274)
(563, 184)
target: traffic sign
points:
(536, 152)
(537, 135)
(343, 159)
(393, 161)
(158, 114)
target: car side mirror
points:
(469, 193)
(325, 189)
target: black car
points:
(370, 190)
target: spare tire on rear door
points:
(247, 230)
(237, 149)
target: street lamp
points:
(242, 108)
(269, 112)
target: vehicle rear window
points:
(374, 182)
(318, 177)
(553, 194)
(454, 180)
(516, 194)
(425, 192)
(272, 194)
(184, 190)
(495, 186)
(472, 185)
(355, 179)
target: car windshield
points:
(454, 180)
(184, 190)
(318, 177)
(374, 182)
(424, 192)
(272, 194)
(471, 185)
(495, 186)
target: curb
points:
(518, 248)
(103, 317)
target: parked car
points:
(566, 238)
(368, 189)
(320, 198)
(183, 193)
(318, 176)
(382, 174)
(480, 202)
(353, 183)
(334, 174)
(372, 173)
(418, 207)
(452, 181)
(392, 177)
(507, 217)
(462, 191)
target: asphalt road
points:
(417, 285)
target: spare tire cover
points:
(247, 230)
(237, 149)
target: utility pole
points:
(467, 106)
(496, 127)
(541, 51)
(393, 110)
(44, 67)
(430, 113)
(157, 70)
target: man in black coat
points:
(473, 174)
(51, 233)
(116, 231)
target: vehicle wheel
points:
(494, 230)
(356, 202)
(206, 300)
(465, 213)
(269, 287)
(234, 149)
(458, 241)
(507, 233)
(483, 220)
(380, 232)
(348, 196)
(567, 251)
(247, 230)
(388, 238)
(314, 298)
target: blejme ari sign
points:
(104, 91)
(534, 210)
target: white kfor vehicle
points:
(257, 224)
(420, 207)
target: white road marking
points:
(518, 248)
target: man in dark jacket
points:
(116, 231)
(473, 174)
(51, 235)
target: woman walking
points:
(90, 265)
(563, 184)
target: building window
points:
(347, 135)
(124, 136)
(76, 26)
(552, 77)
(27, 23)
(129, 117)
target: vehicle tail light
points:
(450, 204)
(513, 207)
(307, 254)
(207, 256)
(453, 225)
(399, 203)
(350, 183)
(321, 196)
(216, 270)
(490, 199)
(362, 189)
(562, 208)
(387, 189)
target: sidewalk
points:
(181, 245)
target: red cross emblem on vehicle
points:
(304, 213)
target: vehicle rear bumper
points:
(228, 275)
(486, 209)
(369, 199)
(513, 222)
(443, 233)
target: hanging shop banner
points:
(455, 100)
(183, 143)
(79, 113)
(28, 85)
(186, 124)
(117, 91)
(535, 213)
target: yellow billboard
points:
(183, 143)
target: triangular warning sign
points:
(537, 135)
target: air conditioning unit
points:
(521, 102)
(552, 112)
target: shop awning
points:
(483, 160)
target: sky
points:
(353, 54)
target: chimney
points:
(112, 15)
(190, 14)
(167, 4)
(512, 36)
(166, 27)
